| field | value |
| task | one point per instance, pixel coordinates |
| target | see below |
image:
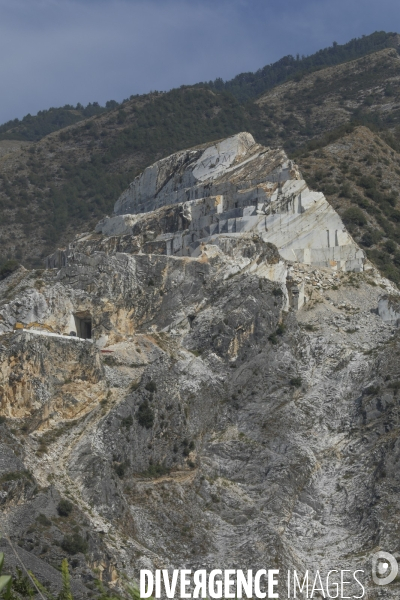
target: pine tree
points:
(65, 593)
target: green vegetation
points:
(120, 468)
(73, 544)
(134, 386)
(296, 382)
(15, 476)
(145, 415)
(43, 520)
(170, 122)
(151, 387)
(33, 128)
(188, 447)
(21, 585)
(5, 581)
(64, 508)
(277, 292)
(65, 593)
(127, 422)
(111, 595)
(250, 85)
(243, 87)
(354, 216)
(156, 470)
(280, 330)
(372, 188)
(310, 326)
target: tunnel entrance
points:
(83, 324)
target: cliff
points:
(228, 398)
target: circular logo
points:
(384, 568)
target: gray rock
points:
(205, 423)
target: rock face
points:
(230, 402)
(234, 187)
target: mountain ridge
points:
(67, 181)
(33, 128)
(250, 85)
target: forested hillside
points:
(247, 86)
(33, 128)
(244, 87)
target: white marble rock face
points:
(235, 187)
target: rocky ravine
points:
(222, 406)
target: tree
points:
(65, 593)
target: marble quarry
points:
(231, 188)
(223, 198)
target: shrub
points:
(368, 182)
(127, 422)
(120, 470)
(145, 415)
(150, 387)
(21, 585)
(277, 292)
(296, 382)
(156, 470)
(280, 330)
(391, 246)
(74, 543)
(367, 239)
(345, 191)
(354, 216)
(64, 508)
(43, 520)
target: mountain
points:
(247, 86)
(65, 182)
(207, 379)
(33, 128)
(362, 91)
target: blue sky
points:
(56, 52)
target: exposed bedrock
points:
(233, 187)
(210, 385)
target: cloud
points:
(67, 51)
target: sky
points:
(56, 52)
